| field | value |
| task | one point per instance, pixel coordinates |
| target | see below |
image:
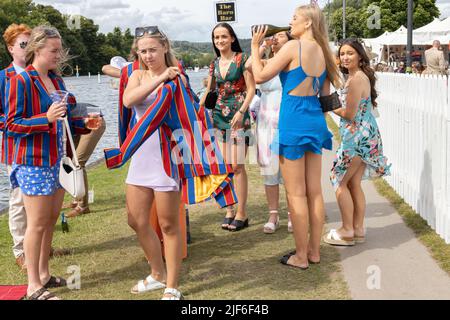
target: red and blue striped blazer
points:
(126, 116)
(35, 139)
(7, 141)
(189, 151)
(127, 119)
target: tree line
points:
(362, 16)
(89, 48)
(92, 49)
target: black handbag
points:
(212, 95)
(211, 99)
(330, 103)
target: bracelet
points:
(241, 111)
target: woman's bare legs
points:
(315, 203)
(293, 172)
(139, 204)
(44, 272)
(41, 212)
(345, 199)
(168, 206)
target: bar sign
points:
(226, 11)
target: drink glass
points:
(93, 117)
(59, 96)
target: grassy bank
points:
(221, 265)
(439, 250)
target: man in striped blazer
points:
(189, 151)
(16, 38)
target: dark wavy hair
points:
(364, 65)
(235, 46)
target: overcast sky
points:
(190, 20)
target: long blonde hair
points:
(38, 38)
(169, 57)
(320, 34)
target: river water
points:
(102, 94)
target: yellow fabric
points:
(206, 185)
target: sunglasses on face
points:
(23, 44)
(150, 30)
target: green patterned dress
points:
(232, 91)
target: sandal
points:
(238, 225)
(309, 260)
(285, 258)
(359, 239)
(228, 220)
(151, 285)
(175, 294)
(55, 282)
(271, 227)
(42, 294)
(290, 229)
(335, 239)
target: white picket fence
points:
(415, 127)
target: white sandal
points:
(290, 228)
(176, 295)
(334, 238)
(151, 285)
(271, 227)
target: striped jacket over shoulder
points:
(188, 149)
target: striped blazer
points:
(188, 149)
(35, 139)
(7, 141)
(127, 119)
(126, 116)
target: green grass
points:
(221, 265)
(439, 250)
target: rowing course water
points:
(102, 94)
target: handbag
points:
(212, 95)
(71, 175)
(330, 103)
(211, 99)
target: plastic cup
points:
(59, 96)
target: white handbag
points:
(70, 173)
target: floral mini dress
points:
(359, 137)
(232, 91)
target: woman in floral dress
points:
(360, 154)
(236, 89)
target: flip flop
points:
(333, 238)
(285, 258)
(309, 260)
(359, 239)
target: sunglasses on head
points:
(23, 44)
(150, 30)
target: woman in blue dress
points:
(360, 154)
(306, 66)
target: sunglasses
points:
(150, 30)
(23, 44)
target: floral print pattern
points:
(360, 137)
(231, 93)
